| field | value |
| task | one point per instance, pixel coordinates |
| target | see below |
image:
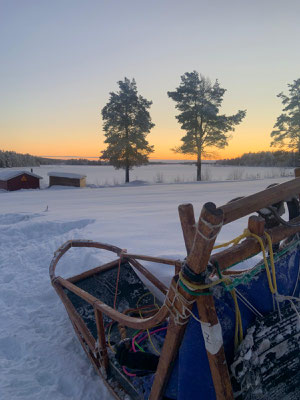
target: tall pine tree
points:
(126, 122)
(287, 127)
(198, 102)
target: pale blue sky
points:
(60, 60)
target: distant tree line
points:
(82, 161)
(278, 158)
(13, 159)
(10, 159)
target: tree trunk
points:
(127, 174)
(127, 155)
(199, 167)
(297, 161)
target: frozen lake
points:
(162, 173)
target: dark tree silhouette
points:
(198, 102)
(287, 127)
(126, 124)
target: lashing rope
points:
(118, 276)
(157, 306)
(181, 317)
(193, 287)
(199, 289)
(248, 304)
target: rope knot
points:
(122, 252)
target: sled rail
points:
(78, 243)
(249, 204)
(131, 322)
(250, 246)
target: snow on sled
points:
(221, 332)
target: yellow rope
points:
(238, 334)
(108, 339)
(197, 286)
(238, 337)
(272, 262)
(234, 241)
(271, 279)
(148, 332)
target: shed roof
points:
(6, 174)
(66, 175)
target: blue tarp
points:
(191, 378)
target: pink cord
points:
(127, 373)
(144, 337)
(140, 340)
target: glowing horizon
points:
(242, 141)
(63, 59)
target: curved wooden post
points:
(188, 225)
(209, 225)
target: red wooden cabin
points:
(14, 180)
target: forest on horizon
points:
(279, 158)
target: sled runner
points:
(223, 331)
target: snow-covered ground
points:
(161, 173)
(40, 356)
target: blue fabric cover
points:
(191, 377)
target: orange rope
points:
(118, 277)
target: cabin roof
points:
(66, 175)
(8, 174)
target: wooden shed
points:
(14, 180)
(66, 179)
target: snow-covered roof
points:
(66, 175)
(8, 173)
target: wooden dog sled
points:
(221, 332)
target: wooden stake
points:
(212, 335)
(168, 354)
(188, 225)
(256, 225)
(209, 225)
(101, 340)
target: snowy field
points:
(99, 176)
(40, 356)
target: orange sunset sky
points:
(60, 60)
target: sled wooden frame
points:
(199, 241)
